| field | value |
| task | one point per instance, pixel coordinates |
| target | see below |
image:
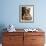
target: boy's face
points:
(27, 10)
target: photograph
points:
(26, 13)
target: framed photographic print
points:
(26, 13)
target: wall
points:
(9, 13)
